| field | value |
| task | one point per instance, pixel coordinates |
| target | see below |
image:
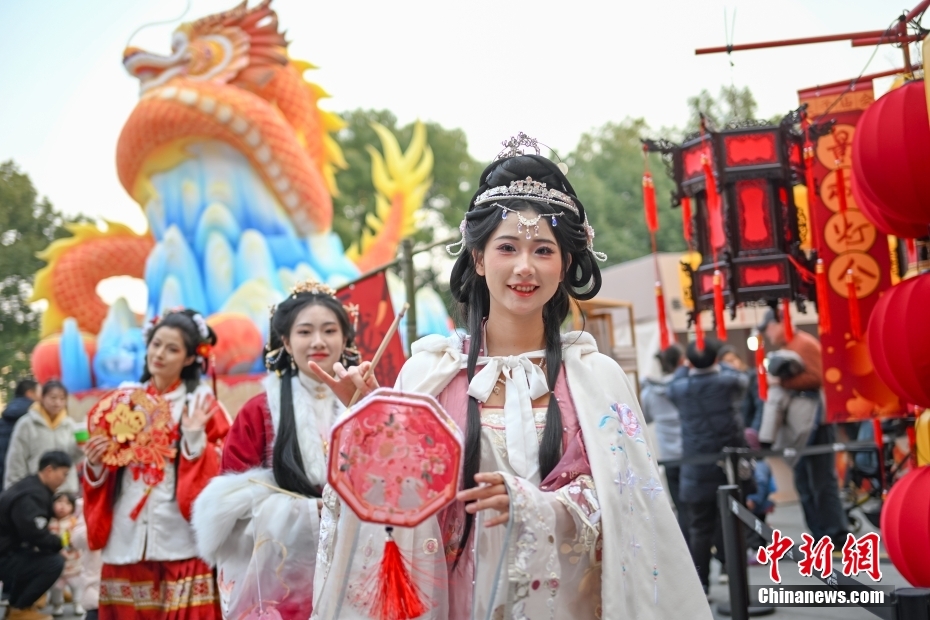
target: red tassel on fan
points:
(823, 297)
(855, 323)
(649, 202)
(717, 238)
(686, 219)
(761, 374)
(841, 187)
(396, 596)
(718, 306)
(786, 312)
(698, 332)
(138, 509)
(664, 339)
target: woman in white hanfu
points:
(258, 523)
(562, 514)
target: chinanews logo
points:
(859, 557)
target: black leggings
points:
(28, 574)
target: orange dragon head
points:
(217, 48)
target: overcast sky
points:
(492, 67)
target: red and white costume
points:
(264, 543)
(150, 567)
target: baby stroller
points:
(872, 472)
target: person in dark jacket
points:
(708, 397)
(30, 555)
(23, 398)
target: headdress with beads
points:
(310, 287)
(530, 190)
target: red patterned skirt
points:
(175, 590)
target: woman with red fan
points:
(562, 514)
(259, 522)
(153, 448)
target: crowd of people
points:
(707, 400)
(561, 512)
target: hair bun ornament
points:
(513, 147)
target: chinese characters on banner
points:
(847, 242)
(376, 313)
(860, 556)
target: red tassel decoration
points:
(396, 596)
(664, 339)
(786, 312)
(911, 252)
(717, 238)
(686, 219)
(138, 509)
(698, 332)
(649, 202)
(855, 323)
(841, 188)
(823, 297)
(761, 375)
(718, 306)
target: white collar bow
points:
(524, 382)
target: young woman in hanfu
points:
(263, 541)
(150, 566)
(563, 514)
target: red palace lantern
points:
(905, 515)
(892, 146)
(899, 338)
(753, 165)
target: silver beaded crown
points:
(527, 189)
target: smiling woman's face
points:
(316, 336)
(522, 274)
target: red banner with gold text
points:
(848, 242)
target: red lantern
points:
(884, 220)
(899, 338)
(892, 146)
(905, 515)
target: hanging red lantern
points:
(899, 338)
(905, 515)
(882, 219)
(892, 146)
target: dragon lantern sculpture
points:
(235, 167)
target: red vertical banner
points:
(375, 315)
(848, 243)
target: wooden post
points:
(410, 285)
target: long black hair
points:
(184, 322)
(582, 281)
(287, 461)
